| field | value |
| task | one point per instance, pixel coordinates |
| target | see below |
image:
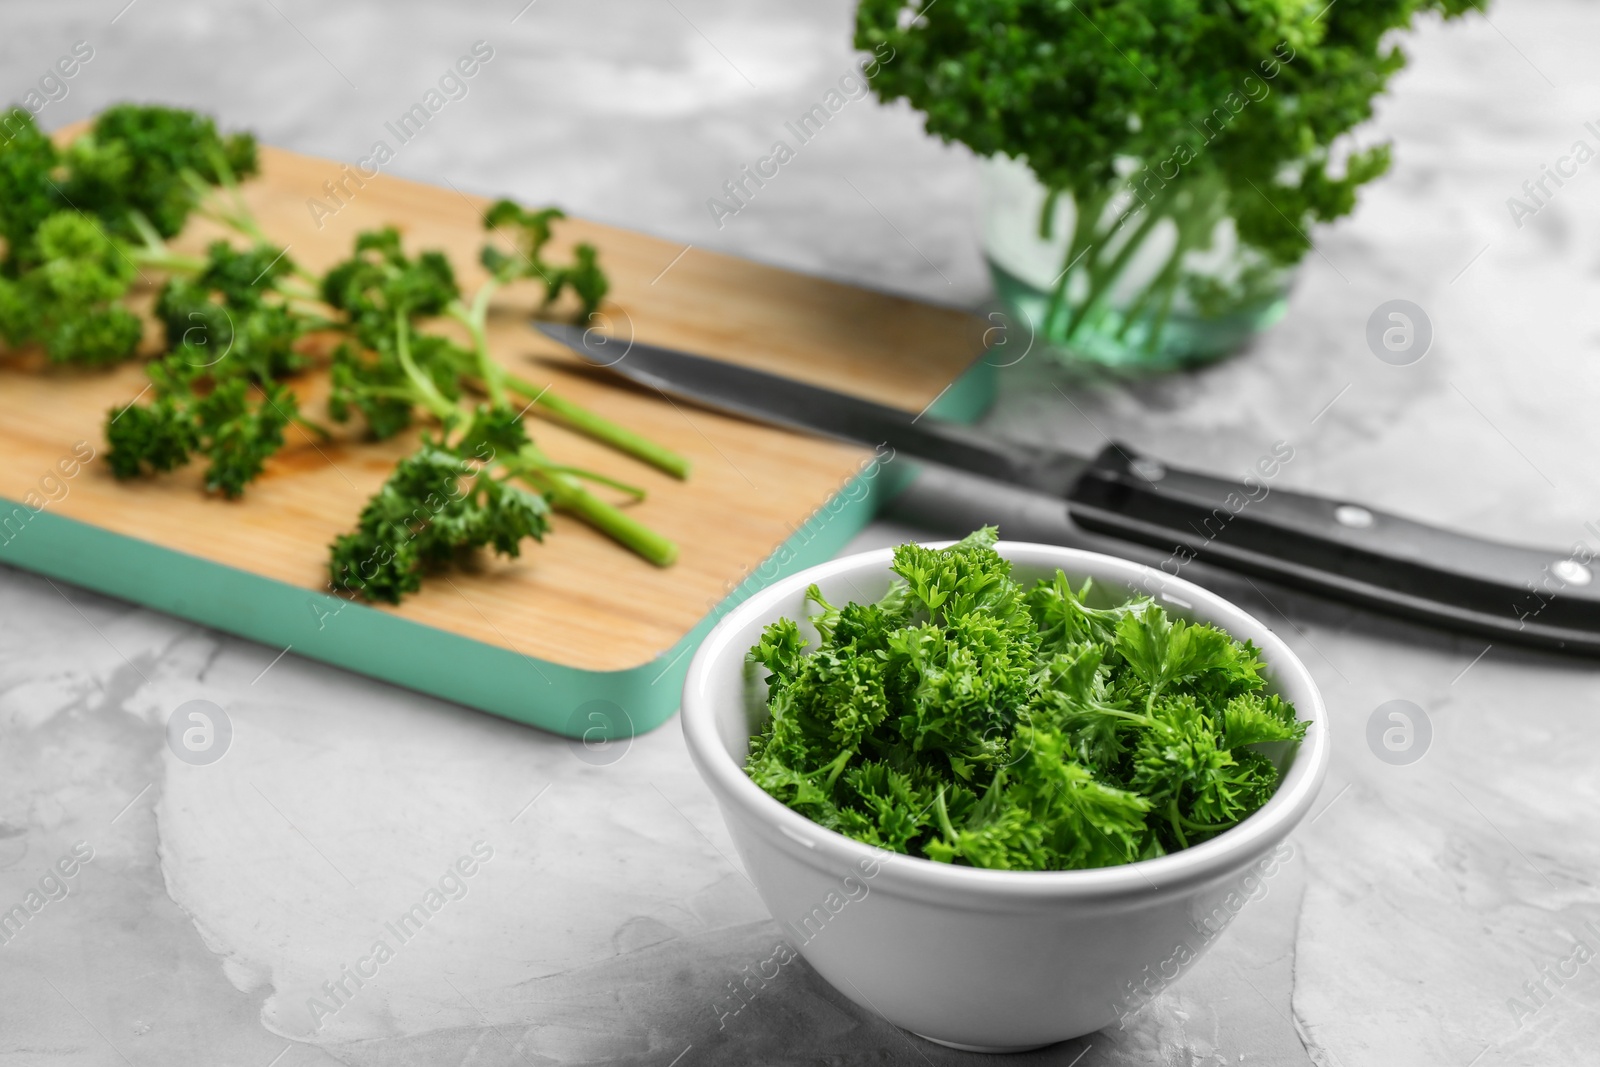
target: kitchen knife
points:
(1528, 596)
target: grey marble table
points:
(1425, 902)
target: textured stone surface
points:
(610, 916)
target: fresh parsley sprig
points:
(445, 499)
(391, 372)
(79, 223)
(530, 231)
(232, 330)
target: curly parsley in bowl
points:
(968, 719)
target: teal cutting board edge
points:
(593, 706)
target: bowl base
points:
(1000, 1049)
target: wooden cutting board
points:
(587, 617)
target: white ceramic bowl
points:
(980, 959)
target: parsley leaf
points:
(438, 503)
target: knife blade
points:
(798, 405)
(1530, 596)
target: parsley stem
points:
(567, 494)
(225, 204)
(1162, 283)
(616, 524)
(1047, 215)
(601, 429)
(1101, 279)
(1087, 208)
(152, 251)
(945, 826)
(309, 296)
(311, 424)
(475, 319)
(599, 479)
(1176, 820)
(426, 392)
(1131, 716)
(1162, 314)
(496, 380)
(163, 259)
(837, 767)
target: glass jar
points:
(1153, 278)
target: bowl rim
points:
(1216, 858)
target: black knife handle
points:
(1505, 592)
